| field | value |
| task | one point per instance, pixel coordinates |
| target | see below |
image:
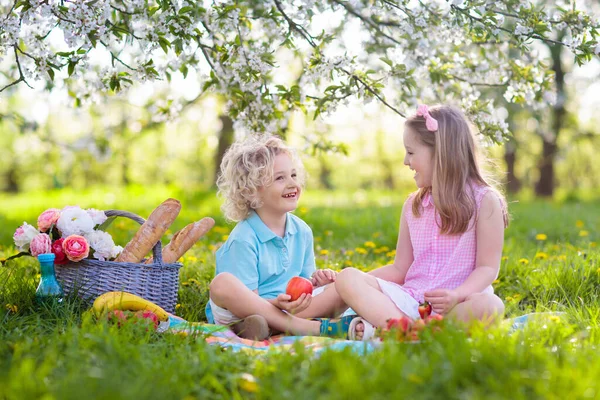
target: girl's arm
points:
(490, 239)
(396, 272)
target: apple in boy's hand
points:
(425, 309)
(297, 286)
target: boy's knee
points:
(220, 284)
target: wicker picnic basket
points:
(156, 282)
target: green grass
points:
(60, 352)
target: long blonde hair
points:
(456, 166)
(246, 166)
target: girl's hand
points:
(322, 277)
(293, 307)
(442, 300)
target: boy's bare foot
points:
(253, 327)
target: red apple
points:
(298, 285)
(149, 317)
(116, 316)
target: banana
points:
(126, 302)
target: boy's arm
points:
(308, 266)
(240, 260)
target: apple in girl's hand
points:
(298, 285)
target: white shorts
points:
(403, 301)
(223, 316)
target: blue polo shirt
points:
(264, 261)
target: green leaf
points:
(387, 61)
(71, 67)
(184, 70)
(164, 44)
(106, 223)
(51, 73)
(186, 9)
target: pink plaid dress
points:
(440, 261)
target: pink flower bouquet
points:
(71, 234)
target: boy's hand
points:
(322, 277)
(293, 307)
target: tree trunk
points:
(225, 140)
(545, 184)
(325, 174)
(12, 182)
(513, 184)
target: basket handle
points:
(157, 249)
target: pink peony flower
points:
(48, 218)
(57, 249)
(40, 244)
(24, 235)
(76, 248)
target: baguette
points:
(184, 239)
(150, 232)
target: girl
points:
(261, 181)
(451, 233)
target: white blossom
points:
(74, 221)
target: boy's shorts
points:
(223, 316)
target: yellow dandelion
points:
(593, 244)
(554, 318)
(361, 250)
(524, 261)
(376, 235)
(248, 383)
(12, 308)
(496, 281)
(177, 306)
(348, 263)
(598, 271)
(324, 252)
(303, 210)
(555, 247)
(504, 258)
(38, 276)
(192, 280)
(579, 223)
(350, 253)
(541, 236)
(391, 254)
(583, 233)
(415, 378)
(384, 248)
(562, 257)
(212, 247)
(186, 284)
(516, 297)
(224, 238)
(370, 244)
(540, 255)
(328, 233)
(318, 239)
(180, 260)
(220, 229)
(509, 299)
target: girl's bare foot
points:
(359, 330)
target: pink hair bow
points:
(430, 123)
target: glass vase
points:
(49, 288)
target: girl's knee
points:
(345, 279)
(487, 305)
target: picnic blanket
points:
(222, 336)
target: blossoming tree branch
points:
(394, 52)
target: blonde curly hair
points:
(247, 166)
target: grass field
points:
(550, 263)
